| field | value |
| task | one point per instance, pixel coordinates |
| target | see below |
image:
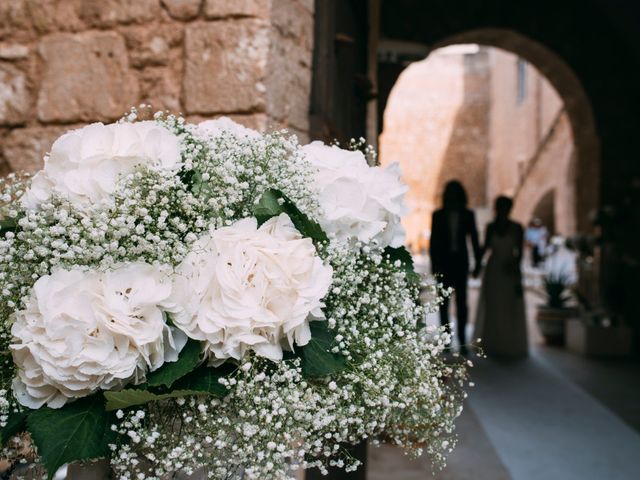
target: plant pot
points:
(598, 341)
(552, 323)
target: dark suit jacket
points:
(444, 259)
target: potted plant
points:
(551, 317)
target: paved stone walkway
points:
(527, 421)
(553, 416)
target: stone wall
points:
(436, 125)
(551, 178)
(65, 63)
(532, 145)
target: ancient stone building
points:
(532, 151)
(64, 63)
(489, 119)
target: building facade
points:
(66, 63)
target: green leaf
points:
(16, 423)
(78, 431)
(206, 379)
(402, 254)
(273, 203)
(317, 359)
(268, 206)
(8, 224)
(130, 397)
(406, 260)
(188, 359)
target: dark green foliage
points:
(273, 203)
(206, 379)
(317, 359)
(16, 423)
(402, 254)
(7, 225)
(555, 288)
(189, 359)
(130, 397)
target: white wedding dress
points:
(501, 321)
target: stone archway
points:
(579, 197)
(577, 105)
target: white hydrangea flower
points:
(245, 287)
(358, 201)
(82, 331)
(84, 164)
(225, 124)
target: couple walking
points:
(500, 321)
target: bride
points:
(501, 322)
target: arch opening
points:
(478, 70)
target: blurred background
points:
(537, 100)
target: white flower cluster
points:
(359, 202)
(84, 165)
(246, 287)
(274, 421)
(139, 238)
(83, 330)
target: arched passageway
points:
(490, 119)
(570, 166)
(598, 41)
(600, 47)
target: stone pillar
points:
(64, 64)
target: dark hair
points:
(454, 196)
(504, 204)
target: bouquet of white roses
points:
(176, 297)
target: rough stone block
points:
(237, 8)
(288, 96)
(308, 4)
(152, 46)
(160, 88)
(24, 148)
(182, 9)
(86, 78)
(274, 124)
(13, 16)
(55, 15)
(107, 13)
(291, 19)
(289, 82)
(13, 51)
(225, 66)
(14, 95)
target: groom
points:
(451, 226)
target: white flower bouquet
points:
(176, 297)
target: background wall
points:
(65, 63)
(436, 126)
(532, 150)
(488, 119)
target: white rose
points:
(225, 124)
(83, 330)
(134, 299)
(358, 201)
(248, 288)
(84, 165)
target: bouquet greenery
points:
(176, 297)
